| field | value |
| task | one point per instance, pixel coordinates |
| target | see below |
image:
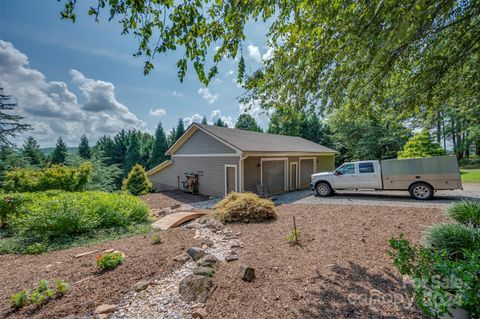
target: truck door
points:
(368, 176)
(345, 177)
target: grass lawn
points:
(470, 175)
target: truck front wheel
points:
(421, 191)
(323, 189)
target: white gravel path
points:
(162, 299)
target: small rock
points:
(207, 261)
(199, 313)
(105, 308)
(111, 250)
(195, 288)
(247, 273)
(214, 224)
(141, 285)
(195, 252)
(208, 242)
(183, 258)
(235, 244)
(203, 271)
(230, 258)
(175, 206)
(198, 305)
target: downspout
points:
(242, 173)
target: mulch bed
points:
(143, 261)
(341, 269)
(166, 199)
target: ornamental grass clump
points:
(466, 212)
(454, 239)
(40, 296)
(244, 208)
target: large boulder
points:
(207, 261)
(194, 288)
(195, 252)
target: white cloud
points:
(53, 110)
(205, 93)
(158, 112)
(230, 72)
(254, 53)
(177, 94)
(195, 118)
(268, 55)
(216, 114)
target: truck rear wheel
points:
(421, 191)
(323, 189)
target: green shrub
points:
(55, 214)
(439, 282)
(19, 300)
(58, 177)
(244, 207)
(156, 239)
(61, 287)
(137, 182)
(35, 249)
(109, 261)
(9, 207)
(42, 285)
(453, 238)
(466, 212)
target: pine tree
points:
(179, 130)
(120, 145)
(220, 123)
(31, 151)
(204, 120)
(133, 153)
(60, 152)
(421, 145)
(246, 122)
(160, 146)
(10, 124)
(83, 148)
(137, 182)
(172, 137)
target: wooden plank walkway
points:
(176, 219)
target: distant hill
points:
(48, 150)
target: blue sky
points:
(80, 78)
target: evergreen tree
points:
(160, 146)
(204, 120)
(10, 124)
(120, 145)
(246, 122)
(31, 151)
(133, 153)
(421, 145)
(60, 152)
(106, 146)
(83, 148)
(172, 137)
(137, 182)
(220, 123)
(179, 130)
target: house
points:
(228, 160)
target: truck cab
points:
(352, 175)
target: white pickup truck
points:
(421, 177)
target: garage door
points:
(273, 175)
(306, 170)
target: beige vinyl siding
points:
(325, 163)
(211, 170)
(202, 143)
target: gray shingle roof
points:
(247, 141)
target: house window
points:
(366, 168)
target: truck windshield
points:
(346, 169)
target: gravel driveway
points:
(391, 198)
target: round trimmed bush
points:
(245, 208)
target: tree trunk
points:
(454, 141)
(477, 148)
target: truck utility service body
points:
(420, 176)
